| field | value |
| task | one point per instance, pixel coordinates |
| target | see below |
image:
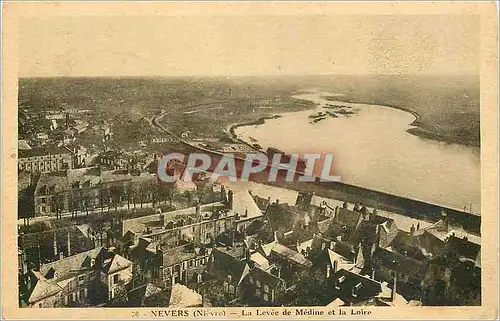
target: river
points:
(373, 150)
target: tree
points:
(120, 298)
(160, 299)
(26, 205)
(87, 197)
(103, 198)
(312, 289)
(214, 292)
(129, 195)
(116, 192)
(98, 227)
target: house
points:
(246, 210)
(177, 262)
(46, 246)
(44, 160)
(228, 271)
(90, 277)
(353, 289)
(263, 287)
(409, 271)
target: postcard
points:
(249, 160)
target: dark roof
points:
(398, 262)
(261, 202)
(366, 287)
(78, 239)
(25, 153)
(348, 217)
(68, 266)
(178, 255)
(291, 255)
(266, 277)
(462, 247)
(225, 265)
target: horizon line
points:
(250, 75)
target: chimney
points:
(275, 236)
(328, 268)
(277, 201)
(69, 244)
(55, 245)
(356, 288)
(393, 291)
(223, 194)
(230, 199)
(247, 254)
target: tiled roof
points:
(66, 267)
(138, 225)
(266, 277)
(291, 255)
(260, 260)
(245, 206)
(183, 297)
(399, 263)
(463, 247)
(225, 264)
(25, 153)
(178, 255)
(43, 289)
(348, 217)
(367, 288)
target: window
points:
(81, 279)
(257, 292)
(266, 288)
(82, 295)
(92, 275)
(266, 297)
(250, 279)
(115, 278)
(39, 305)
(258, 283)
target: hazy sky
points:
(248, 45)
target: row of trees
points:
(110, 197)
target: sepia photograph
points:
(209, 160)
